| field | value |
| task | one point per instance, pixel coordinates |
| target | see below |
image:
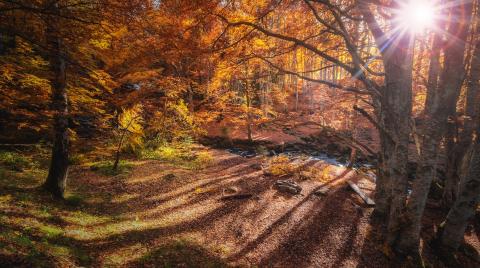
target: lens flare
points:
(417, 15)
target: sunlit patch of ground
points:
(149, 218)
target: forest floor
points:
(167, 215)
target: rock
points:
(169, 177)
(267, 172)
(256, 166)
(288, 187)
(322, 191)
(230, 190)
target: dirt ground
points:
(151, 218)
(270, 229)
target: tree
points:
(437, 118)
(130, 131)
(453, 228)
(62, 33)
(57, 174)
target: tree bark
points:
(248, 100)
(393, 110)
(58, 171)
(433, 71)
(470, 124)
(397, 107)
(453, 228)
(435, 128)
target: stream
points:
(339, 161)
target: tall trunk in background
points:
(436, 126)
(433, 71)
(249, 117)
(249, 103)
(453, 229)
(471, 120)
(295, 80)
(191, 105)
(57, 174)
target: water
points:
(293, 154)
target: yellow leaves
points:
(7, 72)
(325, 177)
(101, 44)
(131, 120)
(260, 43)
(281, 166)
(33, 81)
(130, 123)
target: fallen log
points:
(322, 191)
(357, 190)
(236, 196)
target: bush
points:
(202, 160)
(180, 154)
(14, 161)
(281, 166)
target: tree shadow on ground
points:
(179, 253)
(312, 233)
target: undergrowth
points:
(182, 154)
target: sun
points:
(417, 16)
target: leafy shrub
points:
(14, 161)
(281, 166)
(180, 154)
(202, 160)
(168, 153)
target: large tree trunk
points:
(397, 107)
(57, 174)
(471, 120)
(435, 128)
(464, 207)
(393, 110)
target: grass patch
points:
(77, 159)
(14, 160)
(106, 167)
(50, 231)
(74, 200)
